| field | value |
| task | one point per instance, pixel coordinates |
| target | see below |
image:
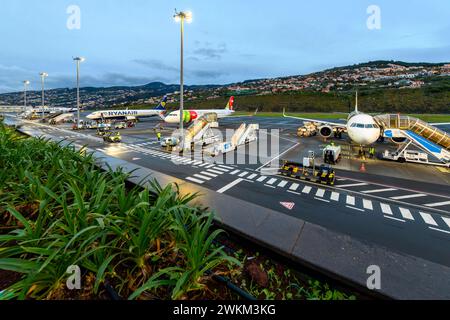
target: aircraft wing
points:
(440, 124)
(331, 124)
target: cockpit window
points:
(359, 125)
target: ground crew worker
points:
(158, 135)
(372, 152)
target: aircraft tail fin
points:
(230, 104)
(162, 105)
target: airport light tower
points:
(25, 87)
(43, 76)
(182, 16)
(78, 60)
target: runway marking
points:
(294, 186)
(447, 221)
(354, 208)
(386, 208)
(440, 230)
(214, 171)
(261, 179)
(234, 172)
(209, 174)
(406, 213)
(323, 200)
(225, 167)
(202, 177)
(367, 204)
(393, 218)
(350, 200)
(195, 180)
(271, 181)
(409, 196)
(320, 193)
(279, 155)
(252, 176)
(282, 183)
(229, 186)
(379, 190)
(353, 185)
(334, 196)
(428, 218)
(306, 189)
(243, 174)
(437, 204)
(297, 193)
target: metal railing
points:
(426, 130)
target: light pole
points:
(25, 87)
(182, 17)
(43, 76)
(78, 60)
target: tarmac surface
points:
(403, 207)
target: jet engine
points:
(398, 140)
(326, 131)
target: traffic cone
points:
(363, 167)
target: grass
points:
(58, 210)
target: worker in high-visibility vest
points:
(158, 135)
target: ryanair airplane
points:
(129, 114)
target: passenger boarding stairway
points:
(424, 135)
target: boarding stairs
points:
(423, 135)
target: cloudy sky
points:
(137, 41)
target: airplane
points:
(361, 127)
(191, 115)
(129, 114)
(46, 110)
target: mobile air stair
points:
(412, 131)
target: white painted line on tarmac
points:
(350, 200)
(447, 221)
(266, 185)
(195, 180)
(229, 186)
(306, 189)
(323, 200)
(409, 196)
(393, 218)
(203, 164)
(294, 186)
(282, 183)
(261, 179)
(221, 169)
(252, 176)
(209, 174)
(437, 204)
(379, 190)
(279, 155)
(440, 230)
(271, 181)
(355, 208)
(210, 166)
(202, 177)
(385, 208)
(428, 218)
(352, 185)
(320, 193)
(214, 171)
(297, 193)
(225, 167)
(234, 172)
(243, 174)
(406, 213)
(334, 196)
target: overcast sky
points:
(134, 42)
